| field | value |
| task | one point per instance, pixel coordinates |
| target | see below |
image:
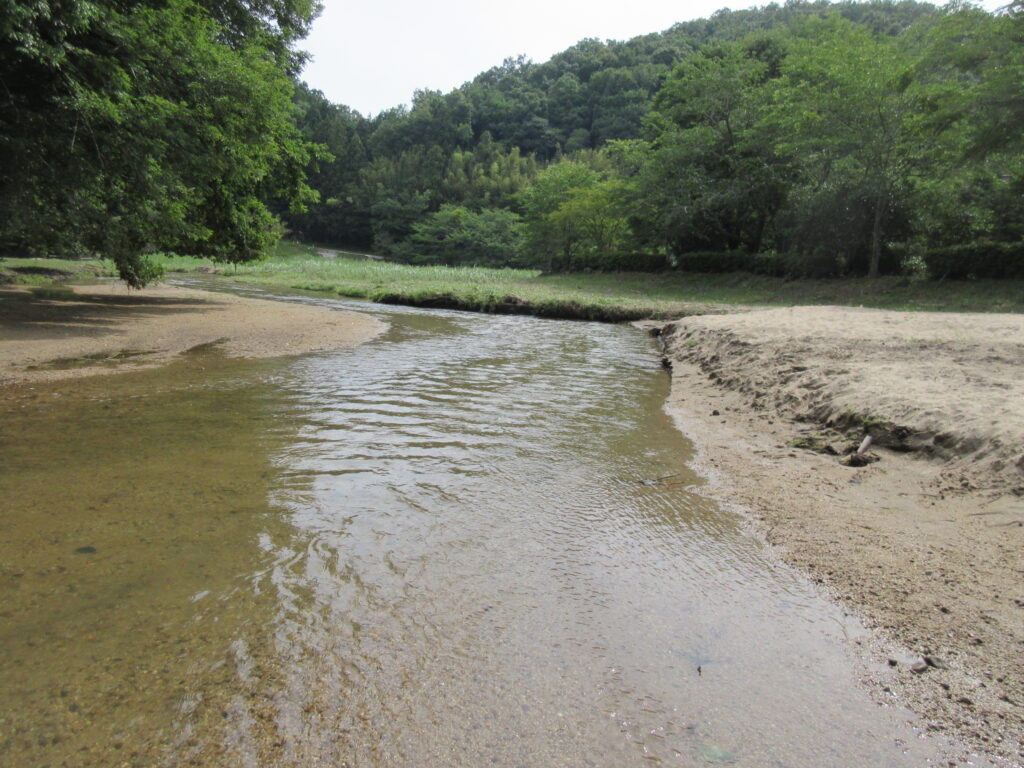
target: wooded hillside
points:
(804, 139)
(807, 139)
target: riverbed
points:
(472, 541)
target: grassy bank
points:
(618, 296)
(46, 272)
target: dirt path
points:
(88, 330)
(927, 542)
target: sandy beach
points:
(103, 329)
(924, 535)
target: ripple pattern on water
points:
(471, 542)
(504, 563)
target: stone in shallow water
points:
(715, 754)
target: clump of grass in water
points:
(53, 293)
(104, 359)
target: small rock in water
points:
(85, 550)
(715, 754)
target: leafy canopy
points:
(127, 128)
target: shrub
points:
(732, 261)
(976, 260)
(457, 236)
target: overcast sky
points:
(372, 54)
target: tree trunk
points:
(876, 237)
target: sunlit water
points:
(468, 543)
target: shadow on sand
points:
(55, 312)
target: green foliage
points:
(972, 181)
(718, 174)
(488, 176)
(712, 262)
(339, 215)
(550, 239)
(807, 139)
(716, 177)
(976, 260)
(982, 56)
(594, 225)
(845, 101)
(834, 145)
(455, 236)
(396, 191)
(124, 129)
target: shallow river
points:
(471, 542)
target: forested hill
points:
(809, 138)
(804, 139)
(597, 91)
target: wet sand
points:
(99, 329)
(926, 541)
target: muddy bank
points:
(924, 538)
(514, 305)
(554, 309)
(60, 333)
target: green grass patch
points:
(609, 296)
(43, 272)
(53, 292)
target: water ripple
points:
(503, 564)
(494, 558)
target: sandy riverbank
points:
(88, 330)
(927, 542)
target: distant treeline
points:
(808, 139)
(804, 139)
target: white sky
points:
(372, 54)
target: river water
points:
(471, 542)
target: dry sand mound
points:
(948, 385)
(88, 330)
(927, 542)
